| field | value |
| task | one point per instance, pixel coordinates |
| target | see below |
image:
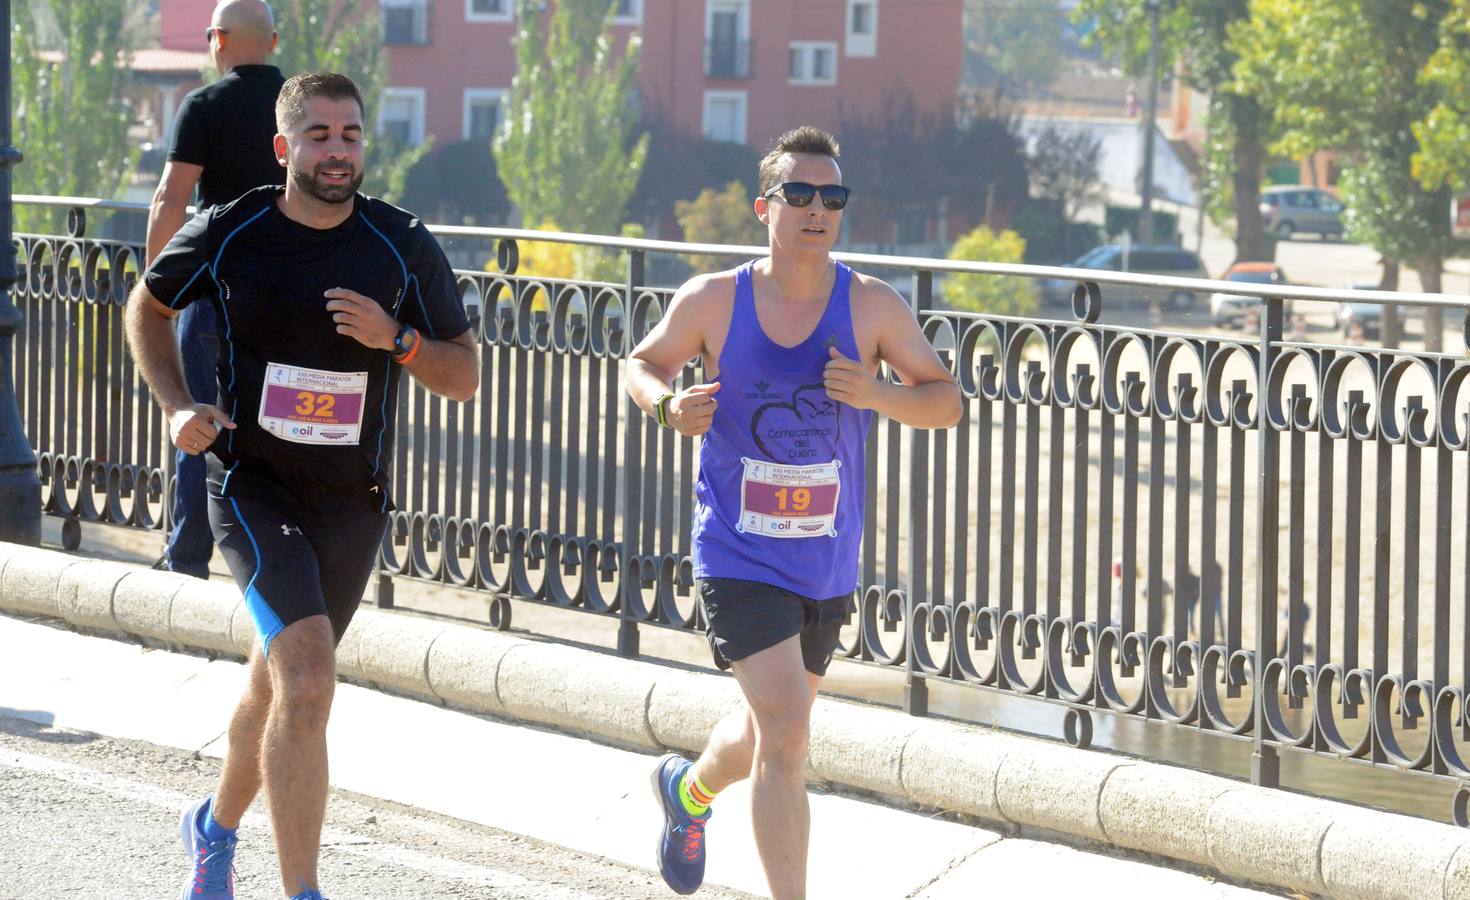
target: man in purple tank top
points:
(791, 346)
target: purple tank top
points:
(782, 470)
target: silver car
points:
(1289, 211)
(1143, 259)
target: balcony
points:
(727, 58)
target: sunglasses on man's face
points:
(800, 193)
(212, 30)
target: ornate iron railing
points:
(1251, 538)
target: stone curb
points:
(1243, 832)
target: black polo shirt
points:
(227, 127)
(313, 409)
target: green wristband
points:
(663, 410)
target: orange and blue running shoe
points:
(213, 877)
(681, 842)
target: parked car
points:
(1363, 321)
(1289, 211)
(1144, 259)
(1235, 309)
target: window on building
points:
(810, 62)
(628, 12)
(726, 39)
(482, 112)
(402, 115)
(862, 27)
(405, 22)
(487, 10)
(724, 116)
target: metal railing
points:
(1246, 538)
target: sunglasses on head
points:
(800, 193)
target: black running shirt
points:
(228, 128)
(313, 409)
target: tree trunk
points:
(1431, 276)
(1250, 152)
(1393, 323)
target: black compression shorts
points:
(292, 562)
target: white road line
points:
(341, 841)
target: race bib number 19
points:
(312, 406)
(789, 501)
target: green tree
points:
(1347, 75)
(70, 63)
(1007, 295)
(1019, 45)
(906, 162)
(568, 150)
(1195, 35)
(724, 217)
(1443, 157)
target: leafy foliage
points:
(1001, 294)
(457, 184)
(679, 167)
(724, 217)
(1195, 34)
(568, 149)
(1350, 75)
(71, 115)
(1020, 44)
(1443, 157)
(1064, 169)
(905, 159)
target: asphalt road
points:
(91, 817)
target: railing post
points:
(915, 688)
(630, 474)
(381, 590)
(20, 489)
(1265, 761)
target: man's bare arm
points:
(662, 354)
(449, 368)
(170, 204)
(151, 341)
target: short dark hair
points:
(291, 103)
(806, 139)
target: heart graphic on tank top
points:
(810, 415)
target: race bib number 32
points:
(789, 501)
(312, 406)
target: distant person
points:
(221, 145)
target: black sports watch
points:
(404, 342)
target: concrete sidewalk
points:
(545, 785)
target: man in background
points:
(221, 145)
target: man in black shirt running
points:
(324, 295)
(221, 143)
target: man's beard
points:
(312, 184)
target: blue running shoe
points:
(681, 842)
(213, 877)
(309, 895)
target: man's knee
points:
(782, 732)
(303, 673)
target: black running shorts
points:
(291, 561)
(746, 617)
